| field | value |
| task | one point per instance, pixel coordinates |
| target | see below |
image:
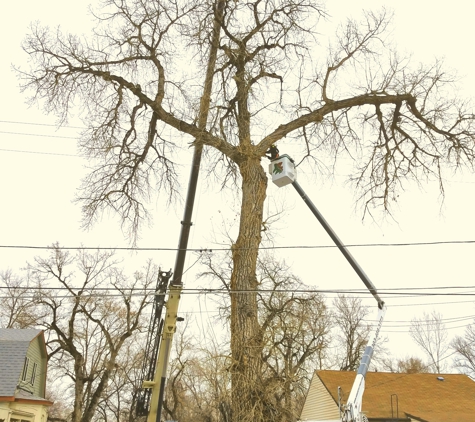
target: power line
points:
(39, 152)
(221, 291)
(431, 303)
(227, 248)
(103, 292)
(404, 328)
(206, 291)
(38, 134)
(40, 124)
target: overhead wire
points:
(41, 124)
(220, 291)
(402, 325)
(39, 135)
(228, 248)
(39, 152)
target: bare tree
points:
(92, 310)
(465, 348)
(353, 331)
(144, 82)
(118, 402)
(296, 333)
(17, 305)
(407, 365)
(431, 336)
(199, 385)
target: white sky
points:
(37, 188)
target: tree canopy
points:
(234, 78)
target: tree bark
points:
(246, 337)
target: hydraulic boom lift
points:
(283, 172)
(149, 400)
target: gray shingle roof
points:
(14, 344)
(16, 334)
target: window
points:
(33, 374)
(25, 369)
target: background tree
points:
(91, 310)
(296, 334)
(199, 381)
(18, 308)
(117, 402)
(431, 336)
(465, 349)
(353, 331)
(141, 104)
(407, 365)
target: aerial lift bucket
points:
(283, 171)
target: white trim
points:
(26, 364)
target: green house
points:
(23, 365)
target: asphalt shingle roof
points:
(422, 396)
(13, 347)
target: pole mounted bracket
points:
(148, 384)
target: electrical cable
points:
(41, 124)
(227, 248)
(306, 291)
(39, 135)
(40, 152)
(208, 291)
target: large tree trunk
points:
(246, 337)
(78, 388)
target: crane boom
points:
(283, 172)
(150, 398)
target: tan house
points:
(391, 397)
(23, 363)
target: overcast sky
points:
(40, 171)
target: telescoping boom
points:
(283, 172)
(150, 398)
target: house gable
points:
(23, 363)
(319, 404)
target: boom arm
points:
(351, 412)
(150, 399)
(283, 172)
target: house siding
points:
(35, 355)
(319, 404)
